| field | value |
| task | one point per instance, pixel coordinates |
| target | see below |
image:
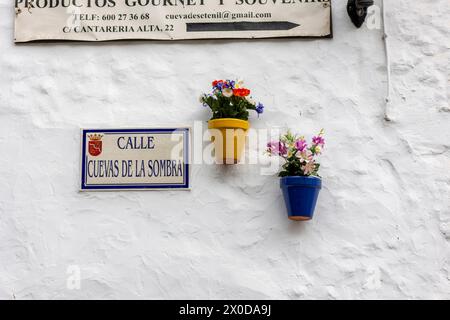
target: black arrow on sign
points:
(240, 26)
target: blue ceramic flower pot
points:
(300, 195)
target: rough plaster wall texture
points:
(382, 225)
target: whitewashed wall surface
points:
(382, 225)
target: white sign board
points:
(135, 159)
(101, 20)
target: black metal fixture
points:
(357, 10)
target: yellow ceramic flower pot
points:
(228, 135)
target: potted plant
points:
(230, 103)
(300, 180)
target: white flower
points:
(250, 100)
(239, 84)
(201, 98)
(227, 92)
(304, 156)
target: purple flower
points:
(259, 108)
(300, 145)
(318, 140)
(277, 148)
(227, 84)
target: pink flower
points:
(318, 140)
(300, 145)
(277, 148)
(309, 168)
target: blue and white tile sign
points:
(135, 159)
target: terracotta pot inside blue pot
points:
(300, 195)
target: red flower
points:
(216, 82)
(241, 92)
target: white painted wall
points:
(382, 225)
